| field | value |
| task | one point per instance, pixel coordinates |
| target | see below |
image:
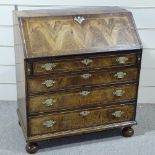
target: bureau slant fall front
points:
(77, 71)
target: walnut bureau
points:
(77, 71)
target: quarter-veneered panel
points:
(55, 123)
(88, 78)
(83, 63)
(81, 98)
(65, 35)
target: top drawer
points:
(87, 63)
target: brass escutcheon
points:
(84, 93)
(49, 123)
(119, 92)
(120, 75)
(49, 102)
(117, 114)
(79, 19)
(121, 60)
(84, 113)
(49, 66)
(49, 83)
(86, 76)
(86, 61)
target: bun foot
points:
(127, 131)
(31, 148)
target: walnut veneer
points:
(77, 71)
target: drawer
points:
(80, 119)
(87, 63)
(53, 82)
(82, 98)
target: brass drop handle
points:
(84, 93)
(79, 19)
(84, 113)
(86, 61)
(120, 75)
(121, 60)
(86, 76)
(117, 114)
(49, 102)
(48, 83)
(49, 66)
(49, 124)
(119, 92)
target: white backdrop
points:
(144, 15)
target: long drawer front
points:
(82, 98)
(43, 84)
(87, 63)
(80, 119)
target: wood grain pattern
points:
(72, 100)
(73, 120)
(70, 81)
(83, 97)
(97, 62)
(80, 131)
(62, 35)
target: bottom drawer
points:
(80, 119)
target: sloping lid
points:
(78, 31)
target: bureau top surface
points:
(68, 31)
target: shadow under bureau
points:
(77, 71)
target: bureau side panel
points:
(20, 75)
(139, 60)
